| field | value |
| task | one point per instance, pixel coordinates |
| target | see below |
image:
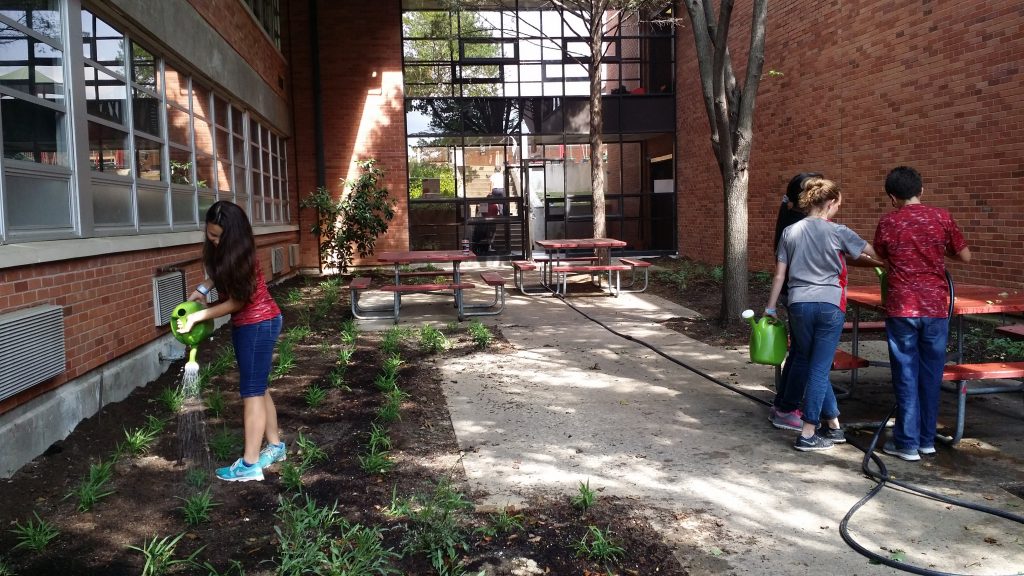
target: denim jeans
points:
(816, 327)
(254, 351)
(790, 390)
(917, 353)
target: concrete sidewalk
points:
(576, 403)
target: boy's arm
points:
(963, 255)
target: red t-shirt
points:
(261, 305)
(915, 240)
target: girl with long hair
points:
(229, 256)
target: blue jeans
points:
(790, 390)
(816, 327)
(917, 353)
(254, 351)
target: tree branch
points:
(755, 63)
(702, 41)
(722, 100)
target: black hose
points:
(882, 476)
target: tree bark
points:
(734, 283)
(596, 127)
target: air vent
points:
(277, 260)
(168, 292)
(293, 255)
(33, 348)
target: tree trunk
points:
(596, 127)
(734, 286)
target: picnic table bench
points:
(955, 378)
(562, 272)
(1011, 330)
(496, 281)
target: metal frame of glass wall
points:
(497, 123)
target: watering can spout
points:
(748, 315)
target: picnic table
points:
(558, 264)
(407, 257)
(969, 299)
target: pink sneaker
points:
(788, 420)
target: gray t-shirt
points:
(813, 251)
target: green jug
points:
(198, 333)
(883, 281)
(768, 340)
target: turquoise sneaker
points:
(273, 453)
(239, 472)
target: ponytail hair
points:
(789, 209)
(818, 192)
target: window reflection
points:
(33, 133)
(108, 149)
(30, 65)
(41, 16)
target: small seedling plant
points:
(315, 395)
(159, 555)
(480, 334)
(172, 399)
(436, 528)
(584, 498)
(598, 546)
(380, 440)
(197, 507)
(501, 523)
(285, 360)
(376, 462)
(92, 488)
(224, 444)
(215, 402)
(432, 340)
(34, 535)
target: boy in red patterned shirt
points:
(915, 239)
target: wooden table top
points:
(414, 256)
(970, 298)
(585, 243)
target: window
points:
(268, 14)
(159, 145)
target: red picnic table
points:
(558, 256)
(399, 258)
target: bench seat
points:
(1011, 330)
(497, 281)
(634, 264)
(873, 326)
(356, 288)
(427, 273)
(562, 273)
(956, 376)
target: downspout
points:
(318, 113)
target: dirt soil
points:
(147, 492)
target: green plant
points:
(90, 491)
(224, 443)
(436, 527)
(433, 340)
(597, 545)
(678, 278)
(762, 279)
(500, 523)
(5, 570)
(310, 452)
(384, 382)
(138, 442)
(398, 506)
(315, 395)
(376, 462)
(391, 365)
(294, 296)
(196, 477)
(215, 402)
(717, 274)
(234, 569)
(223, 361)
(337, 379)
(297, 334)
(159, 555)
(291, 476)
(349, 331)
(480, 334)
(318, 540)
(389, 411)
(171, 398)
(345, 355)
(352, 224)
(285, 360)
(380, 441)
(585, 497)
(197, 507)
(390, 343)
(34, 535)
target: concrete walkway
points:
(575, 403)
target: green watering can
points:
(198, 333)
(768, 340)
(883, 281)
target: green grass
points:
(197, 477)
(159, 555)
(225, 444)
(92, 489)
(380, 440)
(598, 546)
(376, 462)
(310, 452)
(172, 399)
(314, 395)
(291, 476)
(436, 527)
(584, 498)
(138, 441)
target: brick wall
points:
(237, 26)
(360, 59)
(867, 86)
(107, 301)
